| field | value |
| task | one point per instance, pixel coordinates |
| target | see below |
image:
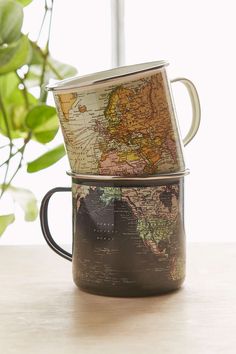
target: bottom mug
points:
(128, 234)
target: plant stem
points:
(4, 114)
(4, 146)
(42, 24)
(43, 93)
(21, 150)
(6, 185)
(50, 19)
(9, 158)
(49, 63)
(5, 177)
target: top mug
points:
(122, 122)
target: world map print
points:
(129, 231)
(123, 130)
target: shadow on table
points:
(96, 315)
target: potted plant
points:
(24, 115)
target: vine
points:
(23, 116)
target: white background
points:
(198, 39)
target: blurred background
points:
(197, 38)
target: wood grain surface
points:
(42, 312)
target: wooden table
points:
(42, 312)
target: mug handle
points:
(196, 108)
(44, 223)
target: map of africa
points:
(128, 129)
(126, 231)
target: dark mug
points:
(128, 233)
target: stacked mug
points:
(127, 168)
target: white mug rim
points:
(102, 77)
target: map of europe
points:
(127, 129)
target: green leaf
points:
(64, 70)
(5, 220)
(33, 77)
(24, 2)
(26, 199)
(14, 104)
(47, 159)
(37, 56)
(14, 55)
(8, 84)
(39, 115)
(11, 19)
(43, 122)
(17, 112)
(54, 70)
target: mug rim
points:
(122, 179)
(101, 77)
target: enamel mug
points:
(123, 122)
(128, 233)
